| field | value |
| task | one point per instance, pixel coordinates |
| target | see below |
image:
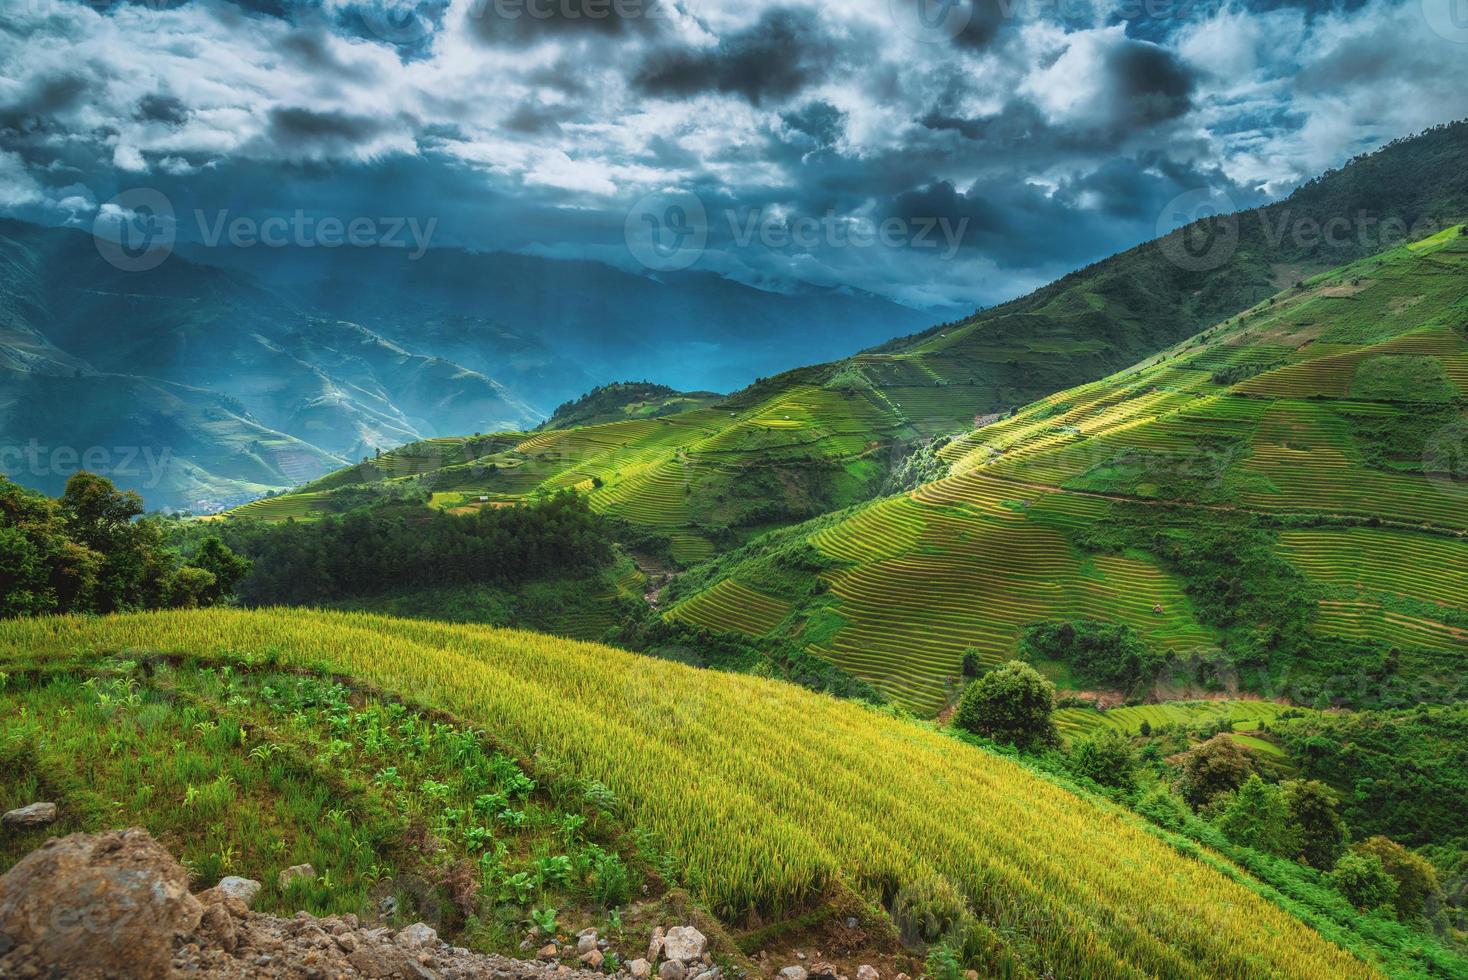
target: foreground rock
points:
(117, 906)
(95, 904)
(35, 815)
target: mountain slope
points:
(817, 439)
(692, 330)
(761, 816)
(1280, 498)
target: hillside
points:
(622, 400)
(758, 815)
(1275, 505)
(815, 440)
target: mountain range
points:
(247, 372)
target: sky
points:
(944, 154)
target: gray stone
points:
(34, 815)
(684, 943)
(417, 936)
(241, 889)
(655, 944)
(293, 873)
(672, 970)
(640, 969)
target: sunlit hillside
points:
(1317, 439)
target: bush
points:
(1257, 817)
(972, 666)
(1415, 877)
(1320, 832)
(1107, 757)
(1163, 808)
(1010, 704)
(1220, 765)
(1101, 653)
(1363, 881)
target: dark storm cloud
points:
(1151, 84)
(156, 107)
(778, 56)
(532, 118)
(46, 96)
(298, 125)
(1055, 130)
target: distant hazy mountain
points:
(247, 370)
(691, 330)
(236, 388)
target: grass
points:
(761, 813)
(249, 771)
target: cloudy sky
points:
(939, 155)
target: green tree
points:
(970, 664)
(1258, 817)
(1107, 757)
(227, 568)
(1363, 881)
(1220, 765)
(41, 569)
(191, 587)
(135, 570)
(1011, 704)
(1320, 831)
(1415, 876)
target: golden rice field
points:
(765, 793)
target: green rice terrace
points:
(1278, 459)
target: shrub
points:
(1257, 817)
(1415, 877)
(1010, 704)
(1107, 757)
(1320, 832)
(1163, 808)
(972, 666)
(1220, 765)
(1363, 881)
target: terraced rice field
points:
(730, 607)
(1369, 572)
(961, 563)
(969, 560)
(1304, 460)
(297, 506)
(762, 813)
(1245, 715)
